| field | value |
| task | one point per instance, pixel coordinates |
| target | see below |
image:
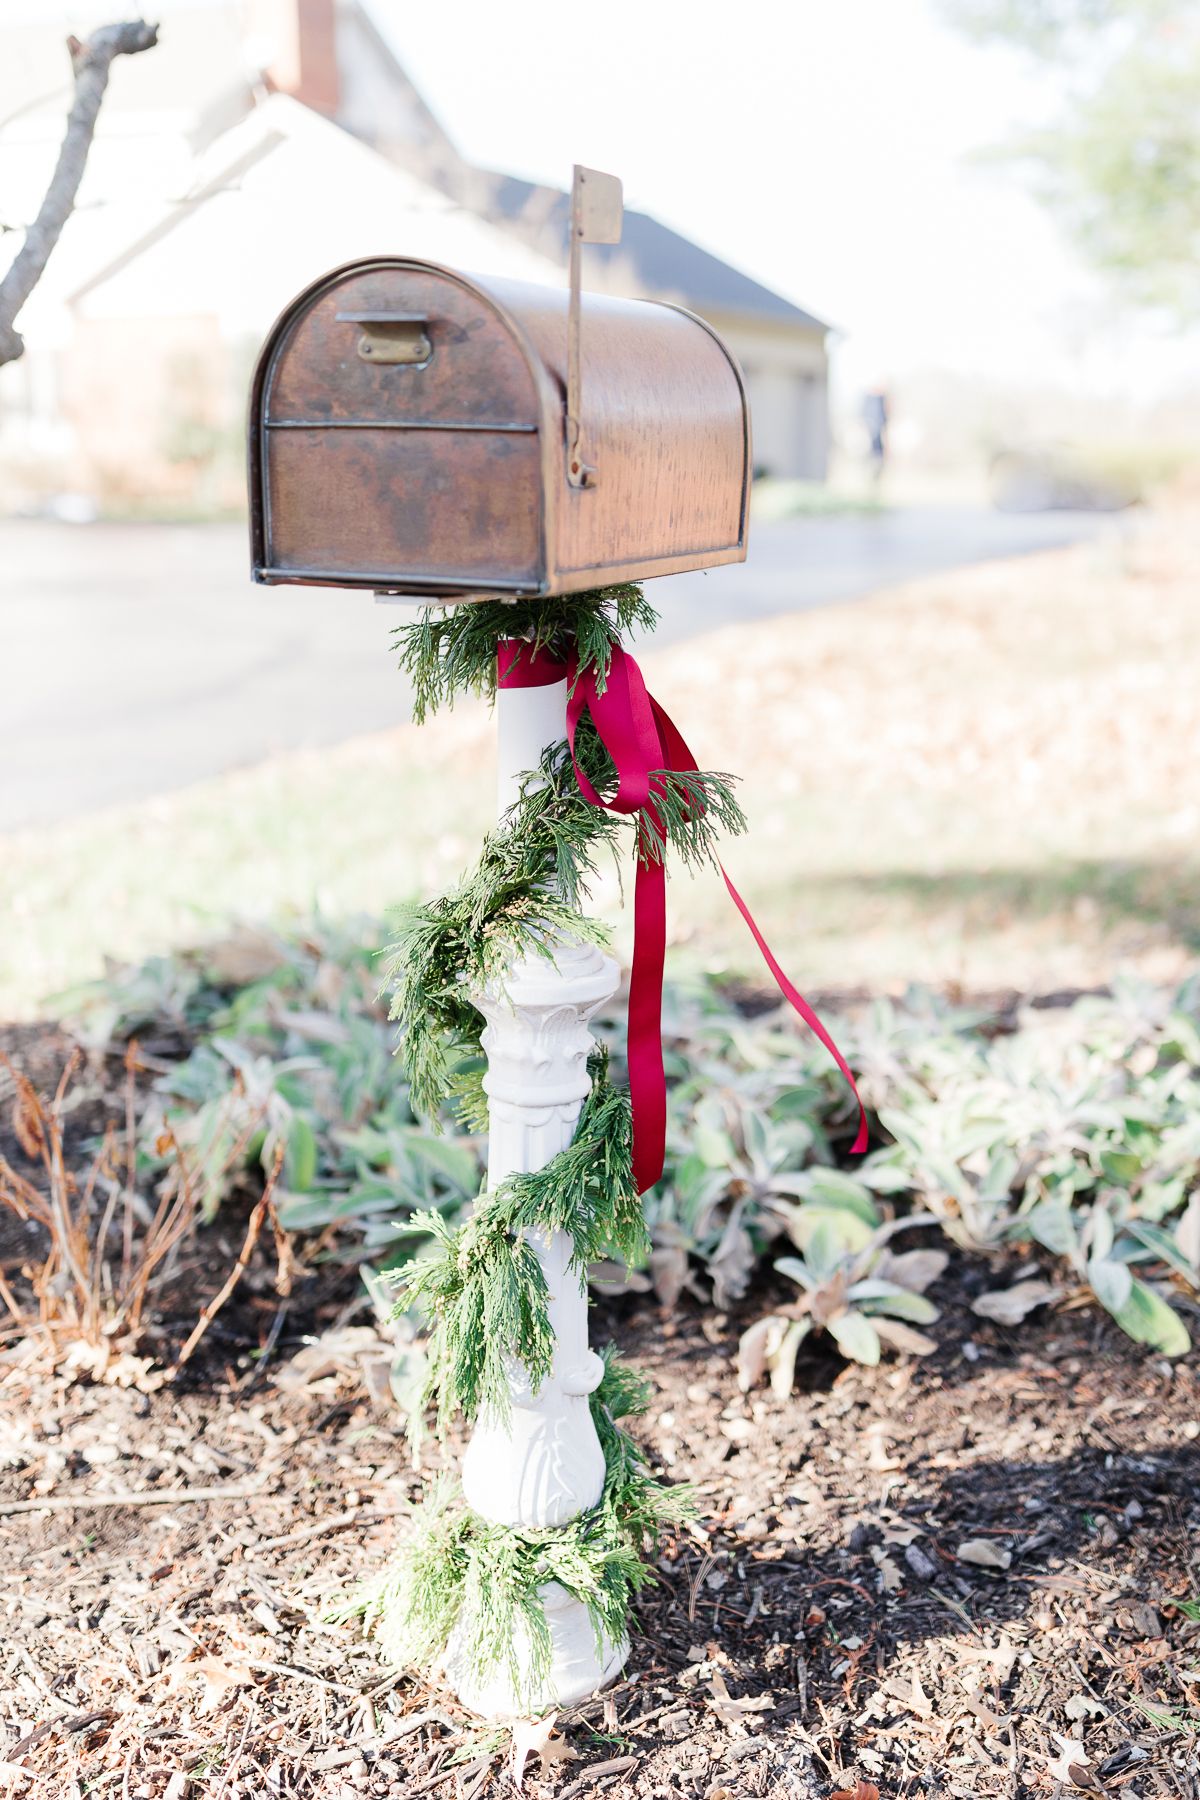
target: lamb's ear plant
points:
(1077, 1134)
(1017, 1133)
(851, 1285)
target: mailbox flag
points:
(596, 207)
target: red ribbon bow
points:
(641, 740)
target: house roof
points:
(170, 117)
(662, 262)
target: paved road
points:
(135, 659)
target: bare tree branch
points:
(90, 62)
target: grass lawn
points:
(986, 779)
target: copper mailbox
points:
(409, 433)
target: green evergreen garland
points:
(456, 1570)
(482, 1289)
(453, 652)
(538, 864)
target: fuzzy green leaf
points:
(856, 1337)
(1148, 1319)
(1111, 1282)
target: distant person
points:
(875, 418)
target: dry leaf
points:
(1008, 1306)
(984, 1554)
(247, 954)
(888, 1569)
(865, 1790)
(732, 1712)
(104, 1362)
(983, 1712)
(540, 1738)
(669, 1271)
(1000, 1658)
(218, 1677)
(915, 1270)
(912, 1695)
(734, 1261)
(899, 1336)
(754, 1347)
(616, 1278)
(895, 1529)
(879, 1458)
(1187, 1231)
(1072, 1763)
(337, 1352)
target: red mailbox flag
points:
(641, 740)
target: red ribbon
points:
(642, 740)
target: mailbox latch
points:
(391, 337)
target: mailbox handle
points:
(391, 337)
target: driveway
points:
(138, 658)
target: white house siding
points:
(787, 380)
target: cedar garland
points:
(459, 1573)
(482, 1288)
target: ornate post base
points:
(576, 1668)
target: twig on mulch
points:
(338, 1522)
(619, 1765)
(125, 1497)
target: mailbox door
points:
(665, 425)
(399, 439)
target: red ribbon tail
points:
(796, 999)
(647, 1078)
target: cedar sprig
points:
(459, 1572)
(691, 810)
(484, 1293)
(482, 1288)
(447, 652)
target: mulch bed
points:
(820, 1628)
(958, 1575)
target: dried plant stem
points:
(131, 1066)
(81, 1295)
(10, 1300)
(105, 1221)
(264, 1205)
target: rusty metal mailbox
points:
(412, 431)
